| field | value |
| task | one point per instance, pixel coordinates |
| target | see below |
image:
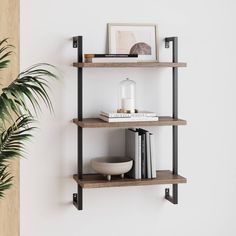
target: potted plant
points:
(16, 115)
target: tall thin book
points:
(148, 154)
(142, 132)
(153, 155)
(132, 151)
(139, 157)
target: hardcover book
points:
(109, 55)
(153, 155)
(111, 59)
(128, 119)
(132, 151)
(138, 114)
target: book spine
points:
(136, 175)
(139, 157)
(149, 170)
(143, 148)
(153, 155)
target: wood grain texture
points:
(9, 28)
(98, 123)
(99, 181)
(130, 64)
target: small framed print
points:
(141, 39)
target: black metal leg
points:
(174, 198)
(78, 197)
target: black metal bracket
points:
(78, 197)
(174, 198)
(75, 42)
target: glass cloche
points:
(127, 96)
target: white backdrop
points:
(207, 34)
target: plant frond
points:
(5, 52)
(31, 85)
(12, 140)
(5, 179)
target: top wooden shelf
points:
(130, 64)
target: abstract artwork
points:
(138, 39)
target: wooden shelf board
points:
(99, 181)
(130, 64)
(98, 123)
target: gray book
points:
(148, 155)
(142, 133)
(153, 155)
(132, 151)
(139, 157)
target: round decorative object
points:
(112, 166)
(127, 96)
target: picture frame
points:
(134, 38)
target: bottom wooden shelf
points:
(99, 181)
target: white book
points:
(118, 115)
(153, 155)
(139, 157)
(111, 59)
(114, 114)
(148, 155)
(128, 119)
(131, 139)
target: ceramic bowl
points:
(112, 166)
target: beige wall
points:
(9, 28)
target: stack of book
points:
(128, 117)
(140, 146)
(103, 58)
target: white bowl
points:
(112, 166)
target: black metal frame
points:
(78, 197)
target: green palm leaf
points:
(5, 52)
(12, 139)
(12, 144)
(5, 180)
(31, 85)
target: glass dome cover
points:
(127, 96)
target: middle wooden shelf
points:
(98, 123)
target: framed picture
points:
(141, 39)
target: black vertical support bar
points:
(174, 40)
(78, 198)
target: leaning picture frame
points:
(129, 38)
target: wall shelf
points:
(163, 176)
(98, 123)
(99, 181)
(130, 64)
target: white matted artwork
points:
(138, 39)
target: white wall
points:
(207, 36)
